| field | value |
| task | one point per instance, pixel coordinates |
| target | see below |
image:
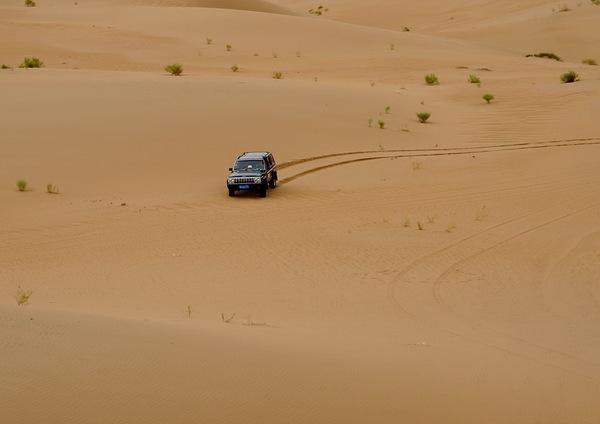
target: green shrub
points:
(474, 79)
(31, 62)
(30, 3)
(488, 97)
(277, 75)
(423, 116)
(235, 68)
(570, 76)
(174, 69)
(431, 79)
(545, 56)
(22, 184)
(590, 61)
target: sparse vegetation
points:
(175, 69)
(22, 296)
(235, 68)
(590, 61)
(417, 166)
(370, 122)
(227, 319)
(51, 188)
(22, 185)
(423, 117)
(488, 97)
(30, 3)
(405, 29)
(564, 8)
(569, 77)
(474, 79)
(277, 75)
(431, 219)
(545, 56)
(5, 66)
(381, 124)
(318, 11)
(31, 62)
(596, 2)
(209, 41)
(431, 79)
(450, 228)
(406, 223)
(420, 226)
(388, 110)
(228, 47)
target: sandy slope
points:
(488, 313)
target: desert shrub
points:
(235, 68)
(5, 66)
(420, 226)
(388, 109)
(405, 29)
(30, 3)
(590, 61)
(545, 56)
(570, 76)
(432, 79)
(318, 11)
(277, 75)
(381, 124)
(228, 47)
(174, 69)
(474, 79)
(564, 8)
(488, 97)
(209, 41)
(423, 116)
(596, 2)
(22, 296)
(51, 188)
(31, 62)
(22, 184)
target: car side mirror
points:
(230, 169)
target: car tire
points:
(273, 182)
(231, 192)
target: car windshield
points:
(249, 166)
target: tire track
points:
(433, 149)
(433, 153)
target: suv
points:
(253, 171)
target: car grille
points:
(243, 180)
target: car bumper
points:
(245, 187)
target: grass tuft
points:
(423, 116)
(175, 69)
(22, 185)
(31, 62)
(22, 296)
(488, 97)
(4, 66)
(569, 77)
(51, 188)
(432, 79)
(235, 68)
(277, 75)
(30, 3)
(474, 79)
(590, 61)
(381, 125)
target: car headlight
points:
(230, 180)
(257, 180)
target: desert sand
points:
(446, 272)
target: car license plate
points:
(245, 187)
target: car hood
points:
(244, 174)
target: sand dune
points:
(439, 272)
